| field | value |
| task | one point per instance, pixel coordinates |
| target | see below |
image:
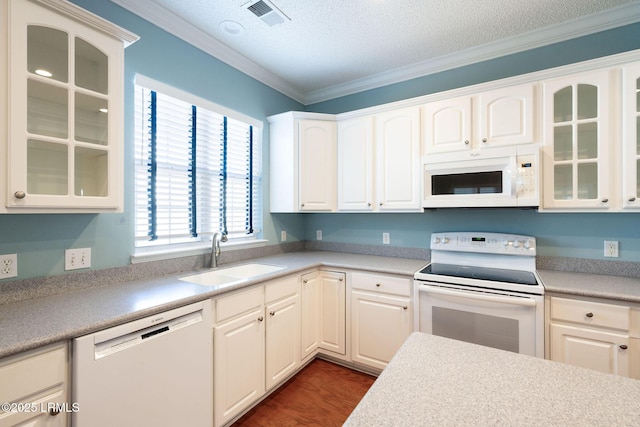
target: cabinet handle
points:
(484, 139)
(466, 142)
(404, 307)
(302, 205)
(605, 200)
(260, 319)
(305, 281)
(19, 194)
(380, 203)
(589, 315)
(632, 199)
(340, 279)
(54, 412)
(368, 204)
(623, 347)
(272, 313)
(378, 285)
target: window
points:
(197, 169)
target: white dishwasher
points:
(156, 371)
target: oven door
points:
(490, 318)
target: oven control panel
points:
(490, 243)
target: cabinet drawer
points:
(233, 305)
(590, 313)
(26, 376)
(381, 283)
(280, 289)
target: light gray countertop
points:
(36, 322)
(591, 285)
(435, 381)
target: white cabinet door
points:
(317, 167)
(398, 160)
(282, 339)
(588, 348)
(506, 116)
(65, 145)
(355, 164)
(577, 173)
(310, 313)
(333, 312)
(36, 378)
(379, 326)
(239, 369)
(631, 136)
(447, 125)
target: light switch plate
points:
(75, 259)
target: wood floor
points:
(322, 394)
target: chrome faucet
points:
(215, 247)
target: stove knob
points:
(517, 243)
(506, 243)
(445, 240)
(527, 244)
(436, 240)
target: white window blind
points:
(197, 171)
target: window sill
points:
(155, 254)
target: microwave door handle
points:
(526, 302)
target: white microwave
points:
(498, 177)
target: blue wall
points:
(40, 240)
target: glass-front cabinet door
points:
(577, 142)
(631, 136)
(65, 115)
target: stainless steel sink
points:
(231, 275)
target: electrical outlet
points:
(611, 248)
(318, 234)
(8, 266)
(283, 235)
(75, 259)
(385, 238)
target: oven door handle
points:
(527, 302)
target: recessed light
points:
(231, 28)
(43, 73)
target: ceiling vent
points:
(267, 11)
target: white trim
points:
(182, 29)
(83, 16)
(155, 254)
(612, 18)
(185, 96)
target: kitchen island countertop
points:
(435, 381)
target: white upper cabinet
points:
(398, 184)
(303, 162)
(577, 142)
(631, 136)
(64, 139)
(355, 164)
(490, 119)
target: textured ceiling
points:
(334, 47)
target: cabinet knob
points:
(605, 200)
(589, 314)
(260, 319)
(632, 199)
(340, 279)
(305, 281)
(272, 313)
(466, 142)
(484, 139)
(623, 347)
(404, 307)
(53, 412)
(380, 203)
(378, 285)
(368, 204)
(19, 194)
(302, 205)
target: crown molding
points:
(182, 29)
(579, 27)
(617, 17)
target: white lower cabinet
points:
(36, 383)
(592, 335)
(323, 313)
(381, 319)
(256, 344)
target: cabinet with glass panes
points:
(64, 116)
(631, 136)
(576, 152)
